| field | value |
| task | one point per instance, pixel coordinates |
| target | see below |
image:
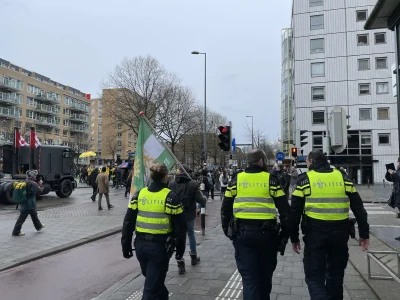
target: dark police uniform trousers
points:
(256, 259)
(154, 262)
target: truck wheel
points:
(2, 192)
(65, 189)
(8, 190)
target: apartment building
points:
(330, 60)
(59, 113)
(110, 139)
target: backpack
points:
(20, 193)
(183, 194)
(225, 180)
(202, 184)
(210, 181)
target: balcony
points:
(78, 107)
(79, 128)
(42, 97)
(52, 122)
(79, 118)
(47, 109)
(9, 99)
(10, 85)
(11, 112)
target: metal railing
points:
(383, 190)
(9, 112)
(47, 108)
(11, 83)
(78, 117)
(9, 98)
(393, 276)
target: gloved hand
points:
(127, 253)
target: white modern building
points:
(332, 61)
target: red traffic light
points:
(223, 129)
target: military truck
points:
(55, 165)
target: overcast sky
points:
(77, 42)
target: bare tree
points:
(136, 85)
(176, 113)
(261, 141)
(111, 146)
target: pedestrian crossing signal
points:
(294, 152)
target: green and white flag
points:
(149, 150)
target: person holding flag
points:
(154, 212)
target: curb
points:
(61, 248)
(117, 286)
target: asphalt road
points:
(78, 274)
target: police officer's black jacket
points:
(356, 205)
(131, 215)
(281, 203)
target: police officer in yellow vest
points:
(249, 208)
(156, 215)
(322, 199)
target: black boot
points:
(181, 267)
(195, 259)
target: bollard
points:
(203, 221)
(368, 182)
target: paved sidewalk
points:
(216, 277)
(66, 227)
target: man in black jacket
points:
(190, 194)
(322, 199)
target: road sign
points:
(233, 162)
(233, 145)
(244, 162)
(280, 156)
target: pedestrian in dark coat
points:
(29, 207)
(93, 184)
(394, 176)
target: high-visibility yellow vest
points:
(253, 199)
(151, 217)
(328, 200)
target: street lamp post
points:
(205, 102)
(252, 131)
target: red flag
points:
(19, 140)
(34, 140)
(88, 96)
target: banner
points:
(149, 150)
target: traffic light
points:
(225, 137)
(300, 137)
(294, 152)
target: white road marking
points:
(232, 289)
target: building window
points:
(48, 130)
(382, 87)
(363, 64)
(317, 45)
(362, 39)
(365, 139)
(92, 124)
(381, 63)
(65, 133)
(57, 132)
(317, 69)
(384, 138)
(383, 113)
(318, 93)
(364, 89)
(380, 38)
(119, 143)
(119, 126)
(317, 22)
(318, 117)
(361, 15)
(317, 141)
(119, 134)
(365, 114)
(316, 2)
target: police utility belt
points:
(154, 238)
(253, 225)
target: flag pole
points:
(163, 143)
(15, 153)
(32, 149)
